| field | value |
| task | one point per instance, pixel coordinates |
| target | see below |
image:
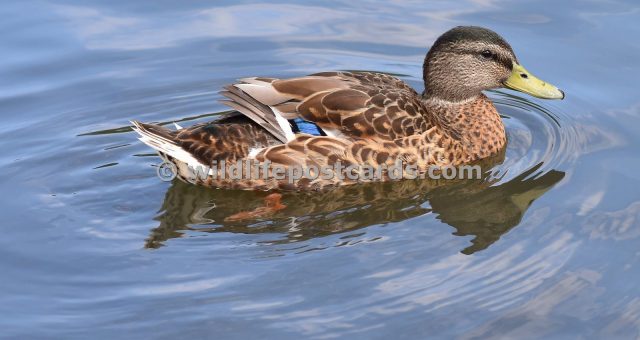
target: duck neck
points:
(475, 122)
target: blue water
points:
(95, 245)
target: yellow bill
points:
(523, 81)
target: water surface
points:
(94, 244)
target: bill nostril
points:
(524, 75)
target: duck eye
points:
(487, 54)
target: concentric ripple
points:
(538, 135)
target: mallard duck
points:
(337, 120)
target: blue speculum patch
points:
(302, 126)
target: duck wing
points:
(347, 105)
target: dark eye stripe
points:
(506, 62)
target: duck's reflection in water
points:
(484, 208)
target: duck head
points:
(467, 60)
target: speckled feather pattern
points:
(380, 119)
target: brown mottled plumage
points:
(365, 118)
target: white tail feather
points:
(164, 145)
